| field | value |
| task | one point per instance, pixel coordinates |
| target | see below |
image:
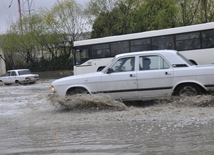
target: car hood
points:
(76, 77)
(204, 66)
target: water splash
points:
(188, 101)
(88, 102)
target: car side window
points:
(153, 62)
(8, 74)
(13, 73)
(163, 64)
(124, 65)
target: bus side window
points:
(188, 41)
(208, 38)
(119, 47)
(140, 45)
(100, 51)
(163, 42)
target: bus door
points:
(81, 63)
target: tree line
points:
(43, 40)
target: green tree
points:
(108, 24)
(66, 19)
(205, 11)
(129, 16)
(155, 14)
(99, 13)
(21, 43)
(115, 20)
(97, 7)
(9, 47)
(187, 12)
(50, 31)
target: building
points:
(2, 64)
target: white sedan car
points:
(142, 76)
(20, 76)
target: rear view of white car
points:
(20, 76)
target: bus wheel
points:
(75, 91)
(188, 90)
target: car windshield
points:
(185, 59)
(24, 72)
(104, 69)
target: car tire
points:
(76, 91)
(188, 90)
(1, 83)
(17, 82)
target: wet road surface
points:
(34, 122)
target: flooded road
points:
(34, 122)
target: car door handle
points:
(167, 73)
(132, 75)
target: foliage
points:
(46, 34)
(187, 11)
(130, 16)
(205, 11)
(58, 63)
(115, 21)
(155, 14)
(66, 19)
(44, 40)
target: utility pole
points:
(21, 10)
(20, 16)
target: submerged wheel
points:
(75, 91)
(17, 82)
(188, 90)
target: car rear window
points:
(185, 59)
(24, 72)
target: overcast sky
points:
(9, 9)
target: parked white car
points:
(20, 76)
(154, 74)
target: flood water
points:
(34, 122)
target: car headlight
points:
(52, 89)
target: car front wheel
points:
(188, 90)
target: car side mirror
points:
(100, 68)
(109, 71)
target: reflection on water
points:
(85, 124)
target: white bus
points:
(196, 42)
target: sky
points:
(9, 10)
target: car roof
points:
(18, 70)
(163, 52)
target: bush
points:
(59, 63)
